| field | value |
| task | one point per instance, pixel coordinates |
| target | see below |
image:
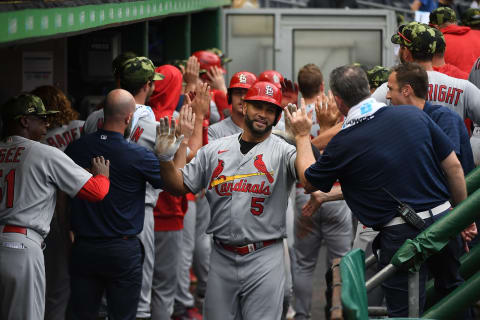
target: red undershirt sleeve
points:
(95, 189)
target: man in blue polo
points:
(383, 150)
(107, 255)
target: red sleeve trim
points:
(95, 189)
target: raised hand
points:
(100, 166)
(299, 121)
(217, 81)
(326, 111)
(288, 126)
(166, 142)
(190, 76)
(468, 234)
(186, 121)
(201, 100)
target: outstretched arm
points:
(166, 145)
(301, 124)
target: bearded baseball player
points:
(247, 267)
(417, 44)
(33, 172)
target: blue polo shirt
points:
(399, 149)
(454, 127)
(122, 211)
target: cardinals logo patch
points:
(269, 90)
(242, 78)
(261, 167)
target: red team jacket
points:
(462, 46)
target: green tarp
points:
(354, 292)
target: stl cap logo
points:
(276, 79)
(269, 91)
(242, 78)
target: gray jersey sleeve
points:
(472, 102)
(194, 173)
(381, 93)
(212, 134)
(93, 122)
(64, 173)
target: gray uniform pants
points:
(167, 253)
(248, 287)
(22, 276)
(203, 246)
(148, 241)
(332, 223)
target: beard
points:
(128, 130)
(255, 131)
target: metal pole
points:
(413, 294)
(381, 276)
(370, 261)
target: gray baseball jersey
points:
(248, 194)
(457, 94)
(32, 172)
(221, 129)
(61, 137)
(474, 76)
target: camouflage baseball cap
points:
(119, 60)
(377, 76)
(139, 70)
(471, 17)
(417, 37)
(441, 15)
(24, 105)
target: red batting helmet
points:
(266, 92)
(242, 79)
(207, 60)
(272, 76)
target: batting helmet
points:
(272, 76)
(243, 80)
(208, 60)
(266, 92)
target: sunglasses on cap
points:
(399, 32)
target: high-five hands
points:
(299, 121)
(326, 111)
(166, 142)
(186, 121)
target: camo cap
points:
(416, 36)
(377, 76)
(441, 15)
(119, 60)
(471, 17)
(139, 70)
(24, 105)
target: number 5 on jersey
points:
(257, 206)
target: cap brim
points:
(264, 99)
(47, 113)
(396, 39)
(158, 76)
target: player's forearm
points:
(172, 179)
(324, 138)
(180, 158)
(304, 159)
(196, 140)
(95, 189)
(455, 178)
(334, 195)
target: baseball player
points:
(33, 172)
(63, 129)
(471, 18)
(239, 85)
(417, 44)
(247, 178)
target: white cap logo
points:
(242, 78)
(276, 79)
(269, 90)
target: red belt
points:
(243, 250)
(14, 229)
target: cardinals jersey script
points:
(247, 193)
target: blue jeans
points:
(113, 266)
(443, 266)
